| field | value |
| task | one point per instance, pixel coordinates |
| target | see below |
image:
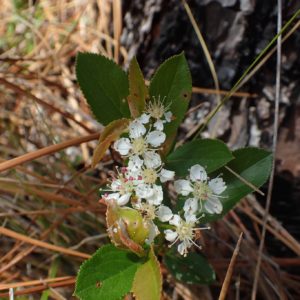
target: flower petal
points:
(217, 185)
(189, 217)
(213, 206)
(112, 196)
(183, 187)
(116, 184)
(135, 164)
(152, 160)
(136, 129)
(144, 191)
(170, 235)
(159, 125)
(156, 138)
(182, 248)
(166, 175)
(168, 116)
(157, 195)
(124, 199)
(153, 232)
(122, 145)
(191, 205)
(164, 213)
(197, 172)
(144, 118)
(175, 220)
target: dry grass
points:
(50, 218)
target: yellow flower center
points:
(202, 191)
(156, 109)
(149, 176)
(185, 230)
(147, 211)
(139, 146)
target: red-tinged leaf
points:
(110, 133)
(137, 88)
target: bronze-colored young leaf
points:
(137, 88)
(147, 283)
(110, 133)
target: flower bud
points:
(126, 228)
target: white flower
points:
(120, 199)
(156, 110)
(150, 211)
(184, 232)
(204, 191)
(151, 192)
(122, 187)
(141, 144)
(159, 124)
(136, 129)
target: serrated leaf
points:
(147, 284)
(110, 133)
(211, 154)
(173, 84)
(254, 165)
(107, 275)
(104, 85)
(138, 89)
(192, 269)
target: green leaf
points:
(211, 154)
(173, 84)
(107, 275)
(147, 284)
(192, 269)
(104, 85)
(254, 165)
(138, 89)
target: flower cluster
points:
(139, 184)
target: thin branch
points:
(228, 276)
(246, 182)
(26, 239)
(204, 47)
(14, 285)
(276, 121)
(46, 151)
